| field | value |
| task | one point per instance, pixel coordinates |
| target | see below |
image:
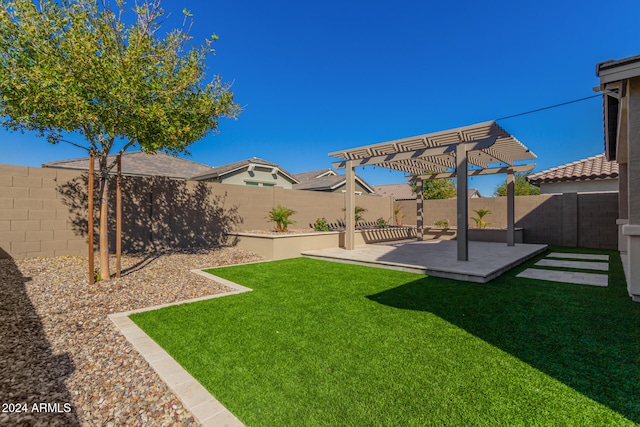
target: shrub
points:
(442, 223)
(480, 219)
(397, 212)
(381, 223)
(321, 225)
(358, 211)
(280, 215)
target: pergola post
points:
(463, 202)
(350, 206)
(511, 231)
(419, 210)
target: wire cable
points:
(549, 107)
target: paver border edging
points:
(206, 409)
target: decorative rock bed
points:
(58, 347)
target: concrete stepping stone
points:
(583, 265)
(579, 256)
(592, 279)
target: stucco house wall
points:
(591, 186)
(258, 177)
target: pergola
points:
(486, 146)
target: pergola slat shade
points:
(439, 150)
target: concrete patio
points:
(487, 260)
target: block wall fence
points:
(43, 211)
(586, 220)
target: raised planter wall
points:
(283, 246)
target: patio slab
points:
(583, 265)
(438, 258)
(592, 279)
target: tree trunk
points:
(104, 239)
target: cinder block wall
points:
(43, 211)
(585, 220)
(33, 219)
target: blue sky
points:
(316, 77)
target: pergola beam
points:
(474, 172)
(420, 153)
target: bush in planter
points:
(381, 223)
(357, 213)
(280, 215)
(399, 216)
(480, 219)
(321, 225)
(442, 223)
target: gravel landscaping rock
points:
(59, 351)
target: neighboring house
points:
(252, 172)
(620, 86)
(591, 175)
(405, 192)
(137, 163)
(328, 180)
(473, 193)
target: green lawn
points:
(321, 343)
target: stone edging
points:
(205, 408)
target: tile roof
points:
(306, 176)
(311, 180)
(471, 192)
(322, 183)
(596, 167)
(142, 164)
(230, 167)
(397, 191)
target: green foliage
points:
(442, 223)
(437, 188)
(358, 212)
(83, 68)
(280, 215)
(399, 216)
(321, 225)
(381, 223)
(480, 223)
(521, 186)
(78, 67)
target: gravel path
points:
(58, 347)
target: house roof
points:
(473, 192)
(223, 170)
(306, 176)
(138, 163)
(397, 191)
(592, 168)
(324, 180)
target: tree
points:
(520, 185)
(75, 68)
(437, 188)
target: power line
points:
(549, 107)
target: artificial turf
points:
(322, 343)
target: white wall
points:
(591, 186)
